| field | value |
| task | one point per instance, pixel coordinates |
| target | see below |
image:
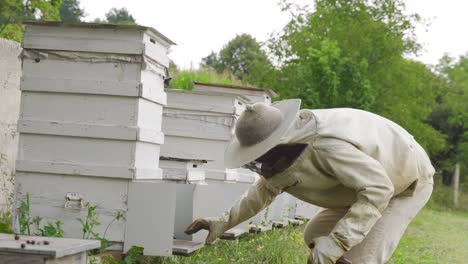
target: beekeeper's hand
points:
(216, 228)
(325, 250)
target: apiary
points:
(92, 98)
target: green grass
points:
(184, 79)
(433, 237)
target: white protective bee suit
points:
(367, 173)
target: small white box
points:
(182, 169)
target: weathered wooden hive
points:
(90, 130)
(199, 124)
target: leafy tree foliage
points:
(350, 53)
(70, 11)
(14, 12)
(450, 115)
(120, 16)
(243, 57)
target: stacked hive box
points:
(90, 130)
(197, 126)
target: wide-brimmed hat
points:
(260, 128)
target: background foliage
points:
(355, 54)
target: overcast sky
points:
(201, 26)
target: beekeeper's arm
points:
(257, 197)
(360, 172)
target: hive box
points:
(199, 125)
(90, 130)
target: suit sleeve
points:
(360, 172)
(257, 197)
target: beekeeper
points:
(367, 173)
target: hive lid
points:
(99, 25)
(236, 89)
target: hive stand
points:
(46, 250)
(90, 130)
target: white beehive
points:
(90, 130)
(199, 125)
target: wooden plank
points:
(202, 101)
(79, 108)
(233, 233)
(68, 69)
(150, 217)
(57, 247)
(98, 29)
(33, 41)
(185, 248)
(77, 150)
(83, 86)
(85, 31)
(20, 258)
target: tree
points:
(212, 61)
(350, 53)
(450, 116)
(14, 12)
(244, 58)
(70, 11)
(120, 16)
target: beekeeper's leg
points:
(382, 240)
(322, 224)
